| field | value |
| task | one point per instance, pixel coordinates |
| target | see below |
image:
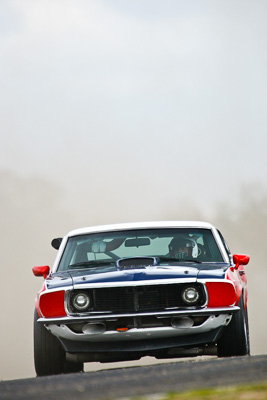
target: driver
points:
(181, 248)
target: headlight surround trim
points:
(190, 295)
(81, 301)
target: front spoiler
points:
(145, 346)
(163, 314)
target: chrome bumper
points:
(216, 317)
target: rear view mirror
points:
(137, 242)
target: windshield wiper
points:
(166, 258)
(94, 263)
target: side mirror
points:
(41, 271)
(240, 259)
(56, 243)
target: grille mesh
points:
(140, 298)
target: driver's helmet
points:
(182, 248)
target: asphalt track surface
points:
(126, 383)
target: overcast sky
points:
(119, 101)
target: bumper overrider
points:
(138, 331)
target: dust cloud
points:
(33, 211)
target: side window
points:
(226, 247)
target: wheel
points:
(49, 357)
(235, 339)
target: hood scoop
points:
(136, 262)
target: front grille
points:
(140, 298)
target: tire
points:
(235, 339)
(49, 357)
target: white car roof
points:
(141, 225)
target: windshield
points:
(169, 245)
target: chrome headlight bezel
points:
(190, 295)
(80, 301)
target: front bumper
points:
(93, 327)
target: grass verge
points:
(257, 391)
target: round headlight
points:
(81, 301)
(190, 295)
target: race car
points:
(125, 291)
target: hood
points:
(212, 271)
(58, 280)
(133, 275)
(109, 274)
